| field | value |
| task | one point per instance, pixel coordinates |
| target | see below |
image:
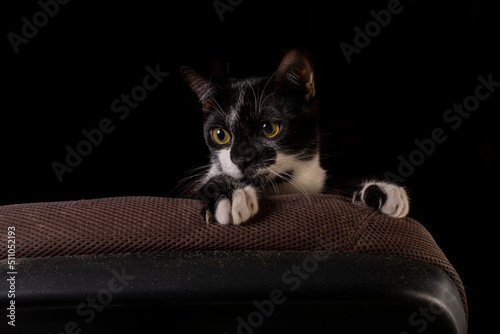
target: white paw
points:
(396, 203)
(242, 206)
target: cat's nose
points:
(242, 162)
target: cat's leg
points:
(388, 198)
(227, 200)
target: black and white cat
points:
(263, 135)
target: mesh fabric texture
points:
(154, 224)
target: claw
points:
(354, 196)
(208, 216)
(380, 202)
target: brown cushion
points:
(153, 224)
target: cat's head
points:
(262, 126)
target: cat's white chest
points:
(298, 175)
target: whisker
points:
(193, 177)
(254, 95)
(217, 108)
(288, 178)
(264, 89)
(268, 96)
(273, 183)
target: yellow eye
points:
(270, 129)
(220, 136)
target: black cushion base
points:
(234, 292)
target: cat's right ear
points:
(296, 72)
(200, 85)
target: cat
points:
(263, 137)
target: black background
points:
(395, 91)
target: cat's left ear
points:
(200, 85)
(296, 72)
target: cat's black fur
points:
(263, 136)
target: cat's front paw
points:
(227, 201)
(238, 208)
(388, 198)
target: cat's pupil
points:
(220, 136)
(270, 129)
